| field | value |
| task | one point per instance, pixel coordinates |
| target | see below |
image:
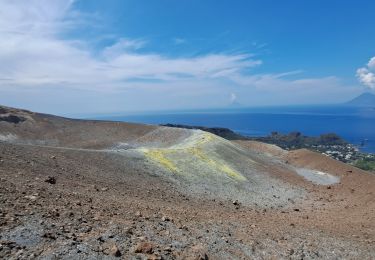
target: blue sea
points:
(355, 124)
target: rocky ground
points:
(81, 201)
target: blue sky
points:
(76, 57)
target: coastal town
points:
(330, 145)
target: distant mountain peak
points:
(366, 99)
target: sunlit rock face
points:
(205, 163)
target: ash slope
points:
(88, 189)
(197, 162)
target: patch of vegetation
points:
(296, 140)
(367, 164)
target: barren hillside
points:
(93, 189)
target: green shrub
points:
(367, 164)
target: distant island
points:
(364, 100)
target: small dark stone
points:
(50, 180)
(12, 119)
(236, 202)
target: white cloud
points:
(371, 63)
(366, 75)
(33, 53)
(178, 41)
(121, 46)
(37, 58)
(33, 17)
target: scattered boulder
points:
(3, 110)
(144, 247)
(49, 235)
(50, 180)
(115, 251)
(12, 119)
(236, 203)
(165, 219)
(112, 250)
(199, 252)
(31, 197)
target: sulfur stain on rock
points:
(192, 153)
(216, 164)
(159, 156)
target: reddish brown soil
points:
(101, 206)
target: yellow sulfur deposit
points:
(158, 155)
(215, 164)
(193, 151)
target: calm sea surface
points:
(356, 125)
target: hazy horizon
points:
(70, 57)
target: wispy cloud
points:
(366, 75)
(179, 41)
(34, 17)
(33, 53)
(123, 45)
(36, 54)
